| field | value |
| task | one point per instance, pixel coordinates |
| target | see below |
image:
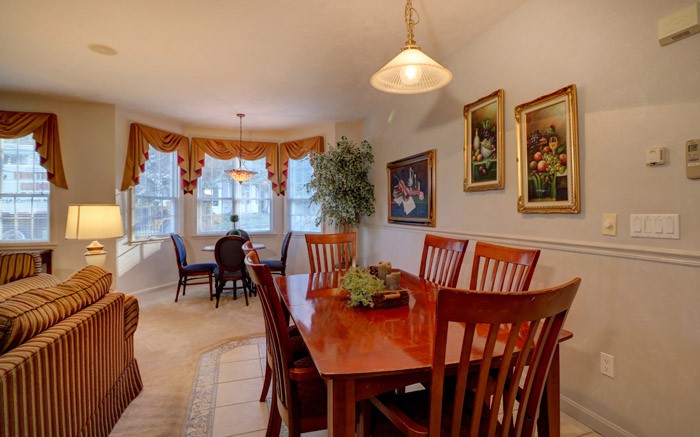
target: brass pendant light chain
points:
(408, 17)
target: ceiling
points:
(284, 63)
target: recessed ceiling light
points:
(102, 49)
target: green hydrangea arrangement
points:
(362, 286)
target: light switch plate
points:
(666, 226)
(610, 224)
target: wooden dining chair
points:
(199, 272)
(229, 256)
(279, 266)
(442, 259)
(331, 252)
(525, 327)
(501, 268)
(298, 392)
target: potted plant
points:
(234, 219)
(340, 184)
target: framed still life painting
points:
(412, 189)
(483, 143)
(548, 169)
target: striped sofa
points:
(67, 365)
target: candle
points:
(384, 269)
(393, 281)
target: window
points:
(155, 198)
(219, 196)
(24, 190)
(301, 214)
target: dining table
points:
(362, 352)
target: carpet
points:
(168, 344)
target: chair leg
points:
(266, 381)
(211, 295)
(219, 286)
(274, 421)
(184, 285)
(245, 290)
(179, 283)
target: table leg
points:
(341, 407)
(548, 423)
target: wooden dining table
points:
(363, 352)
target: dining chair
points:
(280, 265)
(331, 252)
(442, 259)
(502, 268)
(298, 392)
(189, 272)
(229, 256)
(521, 329)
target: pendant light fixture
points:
(240, 173)
(411, 71)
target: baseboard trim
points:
(688, 258)
(592, 420)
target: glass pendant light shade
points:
(411, 72)
(240, 173)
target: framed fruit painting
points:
(548, 169)
(483, 143)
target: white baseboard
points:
(593, 420)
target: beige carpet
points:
(168, 343)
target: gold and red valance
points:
(140, 136)
(296, 150)
(44, 127)
(229, 149)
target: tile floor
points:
(227, 388)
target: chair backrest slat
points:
(516, 335)
(442, 259)
(331, 252)
(501, 268)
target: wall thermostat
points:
(656, 156)
(692, 159)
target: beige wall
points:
(639, 298)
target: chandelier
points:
(240, 173)
(411, 71)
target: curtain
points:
(140, 136)
(296, 150)
(229, 149)
(44, 126)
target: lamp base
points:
(95, 255)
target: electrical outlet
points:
(607, 364)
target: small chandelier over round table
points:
(240, 173)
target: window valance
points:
(296, 150)
(140, 136)
(44, 127)
(229, 149)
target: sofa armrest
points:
(131, 315)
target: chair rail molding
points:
(688, 258)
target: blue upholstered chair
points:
(189, 272)
(280, 265)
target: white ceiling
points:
(284, 63)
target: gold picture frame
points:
(411, 187)
(548, 167)
(483, 144)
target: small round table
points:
(256, 246)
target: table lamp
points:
(90, 222)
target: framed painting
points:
(483, 143)
(412, 189)
(548, 169)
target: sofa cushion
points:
(16, 265)
(27, 314)
(42, 280)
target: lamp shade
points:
(88, 222)
(411, 72)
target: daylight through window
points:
(156, 197)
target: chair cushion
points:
(25, 315)
(274, 264)
(200, 267)
(15, 266)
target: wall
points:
(87, 137)
(639, 298)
